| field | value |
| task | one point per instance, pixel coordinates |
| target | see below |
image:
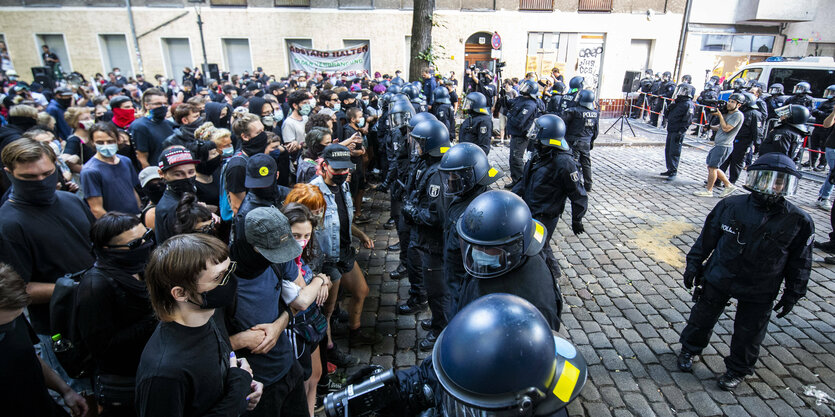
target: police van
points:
(818, 71)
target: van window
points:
(819, 79)
(747, 75)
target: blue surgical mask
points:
(107, 151)
(337, 107)
(361, 123)
(365, 102)
(278, 115)
(228, 151)
(484, 259)
(305, 109)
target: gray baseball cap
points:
(269, 231)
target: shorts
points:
(345, 264)
(718, 155)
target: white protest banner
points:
(351, 61)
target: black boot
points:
(428, 343)
(413, 306)
(390, 224)
(730, 380)
(398, 273)
(426, 324)
(685, 361)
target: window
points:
(746, 75)
(536, 5)
(738, 43)
(236, 55)
(356, 4)
(176, 53)
(477, 4)
(819, 79)
(115, 53)
(292, 3)
(228, 3)
(595, 6)
(56, 45)
(542, 42)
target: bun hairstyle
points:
(205, 132)
(189, 213)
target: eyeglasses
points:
(224, 278)
(209, 228)
(133, 244)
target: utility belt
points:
(115, 390)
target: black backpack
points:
(75, 356)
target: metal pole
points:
(202, 41)
(135, 39)
(684, 29)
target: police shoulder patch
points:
(434, 190)
(524, 111)
(483, 130)
(575, 176)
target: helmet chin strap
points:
(766, 200)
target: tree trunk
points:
(421, 36)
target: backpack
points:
(75, 358)
(226, 212)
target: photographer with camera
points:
(730, 121)
(483, 83)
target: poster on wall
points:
(589, 58)
(355, 60)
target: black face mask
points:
(266, 193)
(220, 296)
(132, 261)
(35, 192)
(158, 114)
(765, 200)
(64, 102)
(154, 190)
(185, 185)
(210, 166)
(189, 129)
(281, 97)
(255, 145)
(339, 179)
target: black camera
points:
(722, 106)
(363, 398)
(500, 64)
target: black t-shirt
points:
(43, 243)
(23, 388)
(166, 215)
(344, 227)
(209, 193)
(185, 371)
(80, 149)
(234, 174)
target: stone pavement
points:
(626, 304)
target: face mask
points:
(365, 102)
(302, 242)
(227, 152)
(339, 179)
(107, 151)
(303, 84)
(255, 145)
(64, 102)
(361, 123)
(158, 114)
(123, 117)
(154, 190)
(220, 296)
(35, 192)
(132, 261)
(267, 193)
(117, 73)
(185, 185)
(305, 109)
(87, 124)
(484, 259)
(268, 121)
(278, 115)
(337, 107)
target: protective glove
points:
(577, 227)
(409, 211)
(787, 303)
(692, 275)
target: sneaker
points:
(428, 343)
(340, 358)
(666, 173)
(426, 324)
(730, 380)
(824, 204)
(390, 224)
(361, 219)
(364, 337)
(704, 193)
(805, 164)
(727, 191)
(685, 361)
(412, 306)
(331, 368)
(820, 168)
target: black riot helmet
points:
(738, 83)
(464, 166)
(528, 88)
(397, 81)
(497, 232)
(684, 89)
(400, 111)
(829, 92)
(775, 88)
(430, 138)
(714, 80)
(687, 79)
(519, 368)
(421, 117)
(411, 91)
(476, 102)
(802, 88)
(773, 175)
(549, 130)
(667, 76)
(576, 83)
(794, 115)
(394, 89)
(648, 72)
(750, 100)
(558, 88)
(441, 95)
(739, 98)
(586, 99)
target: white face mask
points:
(302, 242)
(87, 124)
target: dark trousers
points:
(816, 143)
(750, 325)
(410, 257)
(518, 145)
(396, 205)
(672, 150)
(436, 287)
(657, 107)
(284, 397)
(734, 164)
(582, 154)
(550, 259)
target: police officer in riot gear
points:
(679, 117)
(477, 127)
(686, 78)
(665, 91)
(738, 85)
(557, 91)
(551, 176)
(752, 244)
(465, 174)
(645, 85)
(581, 124)
(820, 133)
(429, 141)
(442, 109)
(520, 117)
(501, 246)
(802, 95)
(777, 98)
(575, 84)
(400, 114)
(521, 368)
(750, 134)
(787, 136)
(707, 98)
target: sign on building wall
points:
(589, 58)
(353, 60)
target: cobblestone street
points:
(626, 303)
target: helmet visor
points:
(469, 105)
(459, 181)
(682, 90)
(491, 261)
(800, 89)
(775, 90)
(398, 120)
(417, 145)
(525, 88)
(774, 183)
(828, 93)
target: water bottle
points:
(60, 345)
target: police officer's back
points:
(582, 125)
(442, 109)
(575, 85)
(554, 104)
(787, 137)
(477, 127)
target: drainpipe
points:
(680, 53)
(134, 38)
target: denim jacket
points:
(328, 237)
